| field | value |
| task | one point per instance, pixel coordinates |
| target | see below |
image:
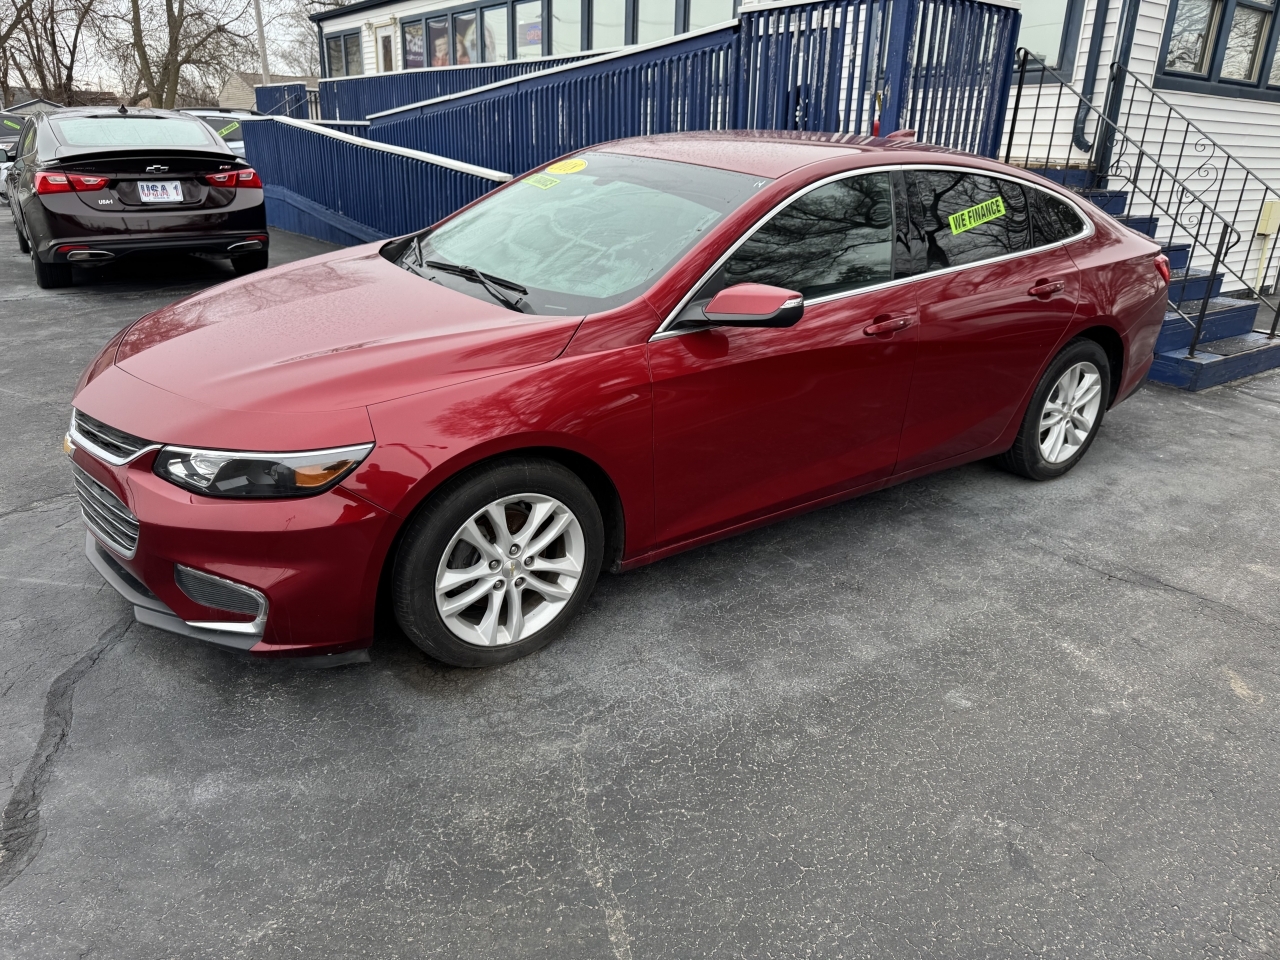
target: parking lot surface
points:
(968, 716)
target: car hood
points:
(343, 330)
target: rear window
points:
(132, 132)
(10, 124)
(225, 127)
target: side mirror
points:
(755, 305)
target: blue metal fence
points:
(347, 190)
(948, 76)
(682, 84)
(940, 67)
(282, 99)
(356, 98)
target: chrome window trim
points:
(91, 448)
(664, 332)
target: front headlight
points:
(219, 473)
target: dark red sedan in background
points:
(630, 352)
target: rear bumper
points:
(104, 249)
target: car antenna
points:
(123, 108)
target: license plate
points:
(160, 191)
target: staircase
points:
(1183, 190)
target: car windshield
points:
(584, 235)
(122, 131)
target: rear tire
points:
(473, 595)
(22, 238)
(249, 263)
(50, 276)
(1064, 415)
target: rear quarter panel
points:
(1120, 289)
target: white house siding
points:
(1248, 129)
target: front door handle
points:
(1047, 288)
(886, 325)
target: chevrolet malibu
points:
(635, 350)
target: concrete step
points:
(1224, 318)
(1111, 201)
(1218, 362)
(1144, 225)
(1179, 255)
(1184, 288)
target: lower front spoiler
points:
(151, 610)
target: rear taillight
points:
(247, 177)
(83, 181)
(1162, 267)
(52, 183)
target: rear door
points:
(992, 306)
(751, 420)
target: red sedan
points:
(635, 350)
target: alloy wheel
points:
(1070, 412)
(510, 570)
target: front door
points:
(748, 421)
(989, 317)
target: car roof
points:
(773, 153)
(111, 112)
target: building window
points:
(566, 27)
(1050, 31)
(608, 23)
(655, 20)
(525, 29)
(343, 54)
(1221, 47)
(497, 34)
(465, 42)
(528, 29)
(706, 13)
(413, 40)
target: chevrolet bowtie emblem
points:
(157, 169)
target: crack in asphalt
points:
(21, 832)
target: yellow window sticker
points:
(538, 180)
(18, 126)
(567, 166)
(984, 212)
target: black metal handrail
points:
(1168, 164)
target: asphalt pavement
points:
(970, 716)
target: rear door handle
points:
(1046, 288)
(886, 326)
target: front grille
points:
(205, 588)
(107, 516)
(120, 446)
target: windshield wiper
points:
(490, 283)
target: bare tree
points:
(47, 43)
(179, 50)
(12, 16)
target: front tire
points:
(1064, 415)
(50, 276)
(498, 563)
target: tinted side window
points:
(835, 238)
(1052, 219)
(28, 142)
(966, 217)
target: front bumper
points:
(315, 561)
